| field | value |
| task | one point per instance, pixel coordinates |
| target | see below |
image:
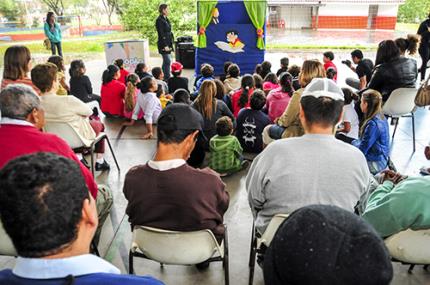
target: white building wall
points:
(344, 10)
(388, 10)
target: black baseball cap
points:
(180, 116)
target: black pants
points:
(56, 47)
(424, 52)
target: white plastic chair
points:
(178, 248)
(67, 133)
(6, 246)
(410, 247)
(260, 244)
(401, 103)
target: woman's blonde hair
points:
(206, 101)
(311, 69)
(131, 81)
(374, 106)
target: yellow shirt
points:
(61, 90)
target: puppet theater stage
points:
(231, 30)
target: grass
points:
(277, 47)
(76, 47)
(407, 27)
(24, 32)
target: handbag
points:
(423, 95)
(47, 43)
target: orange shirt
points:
(26, 81)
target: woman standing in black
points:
(424, 49)
(165, 38)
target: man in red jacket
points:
(22, 118)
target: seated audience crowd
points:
(319, 153)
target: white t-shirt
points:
(350, 115)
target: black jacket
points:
(165, 35)
(398, 73)
(424, 33)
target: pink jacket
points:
(276, 103)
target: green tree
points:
(140, 15)
(10, 9)
(414, 11)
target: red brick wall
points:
(353, 22)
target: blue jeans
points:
(167, 60)
(275, 132)
(56, 46)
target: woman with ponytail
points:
(278, 99)
(410, 44)
(132, 83)
(112, 92)
(374, 136)
(240, 99)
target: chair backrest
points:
(401, 102)
(6, 245)
(410, 246)
(271, 229)
(66, 132)
(172, 247)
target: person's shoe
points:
(203, 265)
(102, 166)
(85, 163)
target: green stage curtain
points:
(257, 12)
(204, 19)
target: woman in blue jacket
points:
(53, 33)
(374, 139)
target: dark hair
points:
(16, 59)
(349, 95)
(294, 70)
(266, 67)
(207, 70)
(43, 76)
(258, 81)
(181, 96)
(156, 72)
(258, 100)
(233, 71)
(234, 32)
(410, 44)
(226, 66)
(331, 72)
(220, 89)
(76, 67)
(285, 62)
(322, 111)
(271, 77)
(286, 82)
(224, 126)
(167, 133)
(48, 17)
(58, 61)
(329, 55)
(357, 53)
(109, 73)
(146, 84)
(41, 198)
(258, 69)
(120, 63)
(160, 90)
(139, 69)
(162, 7)
(247, 83)
(387, 51)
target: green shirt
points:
(226, 154)
(394, 208)
(53, 35)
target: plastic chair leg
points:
(411, 268)
(94, 248)
(413, 129)
(92, 160)
(226, 259)
(130, 263)
(113, 154)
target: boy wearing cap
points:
(163, 193)
(312, 169)
(177, 82)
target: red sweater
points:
(112, 95)
(17, 140)
(235, 101)
(124, 74)
(329, 64)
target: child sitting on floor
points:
(165, 99)
(226, 152)
(348, 129)
(131, 91)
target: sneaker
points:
(102, 166)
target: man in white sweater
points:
(312, 169)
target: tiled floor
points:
(131, 150)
